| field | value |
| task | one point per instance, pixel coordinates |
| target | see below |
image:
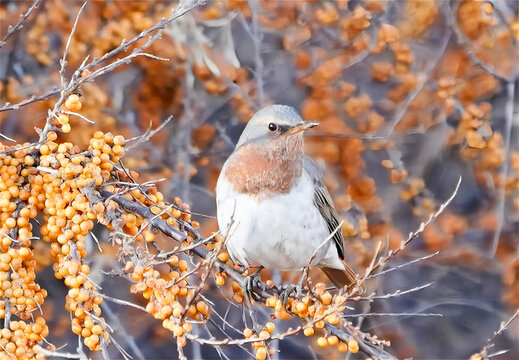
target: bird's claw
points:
(287, 290)
(251, 282)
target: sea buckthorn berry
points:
(322, 342)
(264, 334)
(270, 327)
(332, 340)
(63, 119)
(342, 347)
(326, 298)
(247, 333)
(118, 140)
(353, 346)
(223, 256)
(202, 308)
(308, 331)
(261, 353)
(73, 98)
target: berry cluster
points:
(318, 310)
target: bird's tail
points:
(341, 278)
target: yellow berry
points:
(63, 119)
(326, 298)
(353, 346)
(333, 340)
(261, 353)
(322, 342)
(247, 333)
(342, 347)
(73, 98)
(270, 326)
(309, 331)
(118, 140)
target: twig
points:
(46, 352)
(502, 327)
(30, 100)
(403, 265)
(7, 138)
(63, 60)
(121, 302)
(414, 234)
(12, 29)
(394, 294)
(78, 115)
(510, 90)
(147, 135)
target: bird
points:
(273, 208)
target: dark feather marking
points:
(324, 203)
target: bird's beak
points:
(303, 126)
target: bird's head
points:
(275, 124)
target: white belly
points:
(279, 232)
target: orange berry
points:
(118, 140)
(333, 340)
(301, 307)
(182, 265)
(332, 319)
(270, 326)
(342, 347)
(261, 353)
(223, 256)
(63, 119)
(353, 346)
(322, 342)
(73, 98)
(326, 298)
(202, 308)
(264, 334)
(247, 333)
(308, 331)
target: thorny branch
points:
(12, 29)
(490, 342)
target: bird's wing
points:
(324, 203)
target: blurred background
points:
(410, 96)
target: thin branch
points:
(510, 90)
(383, 260)
(7, 138)
(147, 135)
(12, 29)
(394, 294)
(30, 100)
(79, 116)
(63, 61)
(52, 354)
(403, 265)
(490, 342)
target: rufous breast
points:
(255, 169)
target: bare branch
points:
(12, 29)
(147, 135)
(63, 60)
(31, 100)
(383, 260)
(490, 342)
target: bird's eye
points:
(273, 127)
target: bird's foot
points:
(252, 281)
(291, 289)
(286, 290)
